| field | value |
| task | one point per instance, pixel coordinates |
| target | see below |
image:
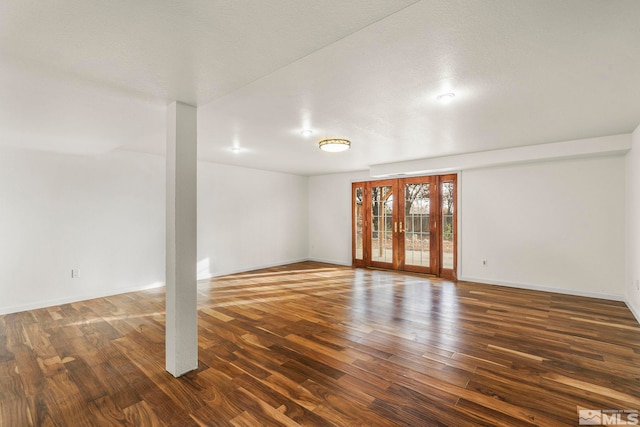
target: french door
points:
(406, 224)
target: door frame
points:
(395, 263)
(355, 223)
(398, 238)
(434, 240)
(449, 273)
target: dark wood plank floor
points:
(315, 344)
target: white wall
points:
(249, 219)
(555, 225)
(330, 216)
(103, 215)
(633, 226)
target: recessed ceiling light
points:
(236, 149)
(306, 132)
(445, 97)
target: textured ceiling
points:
(86, 77)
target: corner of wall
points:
(632, 225)
(633, 309)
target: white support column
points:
(181, 203)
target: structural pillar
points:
(181, 241)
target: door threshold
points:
(390, 270)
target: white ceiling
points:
(89, 76)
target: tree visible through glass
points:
(447, 224)
(358, 212)
(382, 224)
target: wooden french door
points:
(406, 224)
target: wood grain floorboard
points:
(320, 345)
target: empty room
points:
(320, 213)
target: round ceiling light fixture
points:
(334, 145)
(306, 132)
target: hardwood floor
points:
(315, 344)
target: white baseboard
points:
(67, 300)
(106, 293)
(331, 261)
(49, 303)
(205, 279)
(611, 297)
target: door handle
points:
(395, 227)
(401, 229)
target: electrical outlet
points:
(75, 273)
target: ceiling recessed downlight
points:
(446, 97)
(236, 149)
(306, 132)
(334, 145)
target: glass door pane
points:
(448, 223)
(358, 222)
(382, 224)
(417, 237)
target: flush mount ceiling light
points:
(334, 145)
(446, 97)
